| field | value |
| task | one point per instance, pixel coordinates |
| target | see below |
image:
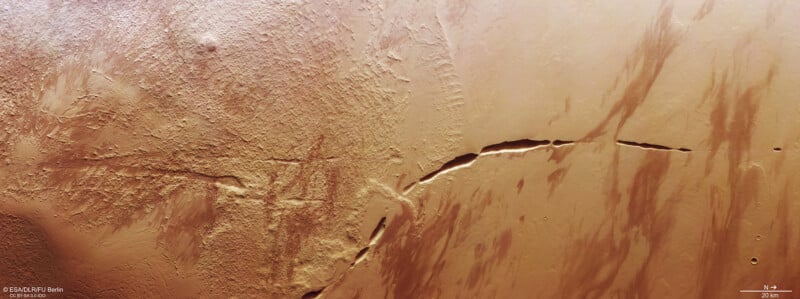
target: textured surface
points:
(400, 149)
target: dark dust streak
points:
(737, 130)
(593, 263)
(655, 47)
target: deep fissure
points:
(525, 145)
(652, 146)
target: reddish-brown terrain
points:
(400, 149)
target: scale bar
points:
(765, 291)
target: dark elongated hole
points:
(562, 142)
(360, 256)
(378, 231)
(313, 294)
(457, 161)
(516, 144)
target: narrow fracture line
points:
(518, 146)
(651, 146)
(466, 160)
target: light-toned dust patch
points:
(80, 84)
(26, 149)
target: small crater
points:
(754, 261)
(208, 43)
(777, 149)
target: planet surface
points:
(400, 149)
